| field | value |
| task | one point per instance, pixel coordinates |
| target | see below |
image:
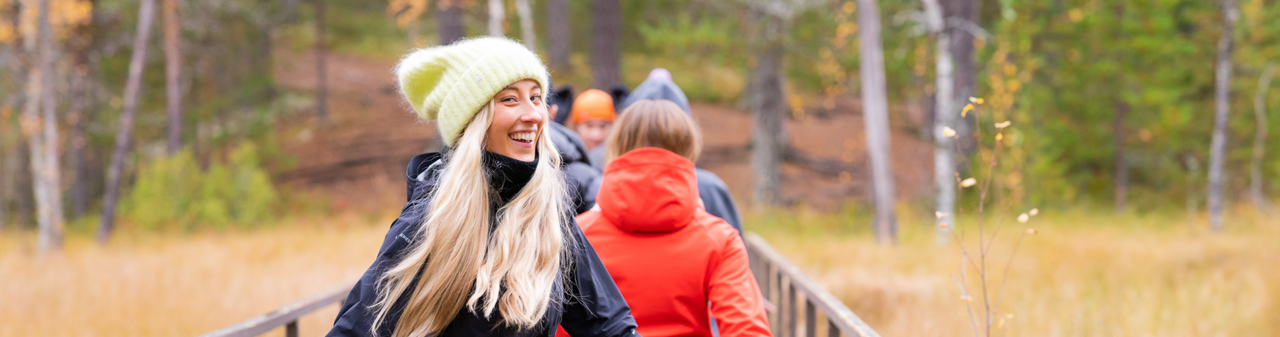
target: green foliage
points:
(173, 193)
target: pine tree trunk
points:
(945, 115)
(497, 15)
(124, 136)
(605, 61)
(559, 35)
(322, 78)
(77, 140)
(449, 17)
(290, 11)
(1222, 93)
(527, 35)
(1260, 200)
(24, 191)
(1121, 161)
(876, 116)
(6, 175)
(957, 12)
(173, 74)
(768, 111)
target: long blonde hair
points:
(655, 123)
(513, 270)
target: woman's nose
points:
(532, 114)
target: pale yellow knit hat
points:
(449, 84)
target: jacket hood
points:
(658, 88)
(649, 190)
(568, 143)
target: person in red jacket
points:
(673, 261)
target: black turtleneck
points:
(508, 175)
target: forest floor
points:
(1083, 274)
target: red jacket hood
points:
(649, 190)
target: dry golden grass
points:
(180, 285)
(1081, 275)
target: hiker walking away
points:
(668, 255)
(713, 191)
(582, 179)
(485, 245)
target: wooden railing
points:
(286, 316)
(786, 289)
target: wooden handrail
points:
(772, 270)
(286, 316)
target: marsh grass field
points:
(1082, 274)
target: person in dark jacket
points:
(486, 244)
(582, 178)
(713, 191)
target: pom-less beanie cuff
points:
(450, 84)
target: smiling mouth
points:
(523, 137)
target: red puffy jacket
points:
(668, 256)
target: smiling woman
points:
(486, 244)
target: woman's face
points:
(517, 119)
(593, 132)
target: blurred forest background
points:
(138, 120)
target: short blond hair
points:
(655, 123)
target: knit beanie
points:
(450, 84)
(593, 104)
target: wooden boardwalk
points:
(797, 306)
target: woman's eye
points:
(536, 98)
(508, 99)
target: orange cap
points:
(593, 104)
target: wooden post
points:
(810, 318)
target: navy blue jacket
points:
(591, 305)
(581, 178)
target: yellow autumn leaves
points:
(63, 15)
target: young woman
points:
(668, 255)
(486, 245)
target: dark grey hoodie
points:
(714, 193)
(582, 179)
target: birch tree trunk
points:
(497, 15)
(322, 77)
(605, 60)
(944, 117)
(768, 111)
(449, 18)
(124, 136)
(559, 35)
(1259, 142)
(42, 133)
(876, 116)
(527, 35)
(1222, 93)
(173, 74)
